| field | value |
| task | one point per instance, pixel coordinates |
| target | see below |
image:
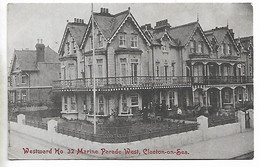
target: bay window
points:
(124, 108)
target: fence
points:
(35, 122)
(125, 134)
(222, 120)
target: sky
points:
(28, 22)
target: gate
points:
(247, 120)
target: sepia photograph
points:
(128, 81)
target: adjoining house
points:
(140, 67)
(31, 75)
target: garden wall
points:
(164, 142)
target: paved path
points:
(221, 148)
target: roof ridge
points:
(187, 24)
(120, 13)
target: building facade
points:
(31, 75)
(140, 67)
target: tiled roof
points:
(246, 41)
(183, 32)
(27, 58)
(77, 30)
(108, 24)
(218, 33)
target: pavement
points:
(238, 146)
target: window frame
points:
(123, 39)
(134, 41)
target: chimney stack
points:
(39, 51)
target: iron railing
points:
(124, 134)
(149, 81)
(222, 120)
(129, 81)
(215, 80)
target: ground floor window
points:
(65, 103)
(23, 95)
(171, 99)
(73, 103)
(134, 103)
(101, 104)
(240, 95)
(124, 109)
(227, 96)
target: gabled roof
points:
(26, 59)
(158, 35)
(76, 30)
(109, 25)
(220, 33)
(183, 32)
(247, 41)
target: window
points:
(171, 99)
(200, 47)
(157, 70)
(91, 42)
(24, 77)
(23, 95)
(192, 46)
(229, 49)
(73, 103)
(65, 103)
(250, 70)
(227, 96)
(133, 41)
(68, 47)
(101, 105)
(164, 49)
(124, 104)
(73, 46)
(166, 71)
(173, 70)
(90, 71)
(123, 69)
(122, 41)
(91, 110)
(224, 48)
(100, 67)
(100, 70)
(17, 79)
(240, 95)
(100, 40)
(134, 99)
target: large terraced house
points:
(140, 67)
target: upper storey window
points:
(122, 40)
(200, 47)
(133, 41)
(68, 47)
(224, 48)
(192, 46)
(91, 42)
(100, 40)
(164, 49)
(229, 49)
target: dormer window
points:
(229, 49)
(164, 49)
(192, 46)
(133, 41)
(91, 42)
(200, 47)
(100, 40)
(122, 41)
(68, 47)
(74, 46)
(224, 48)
